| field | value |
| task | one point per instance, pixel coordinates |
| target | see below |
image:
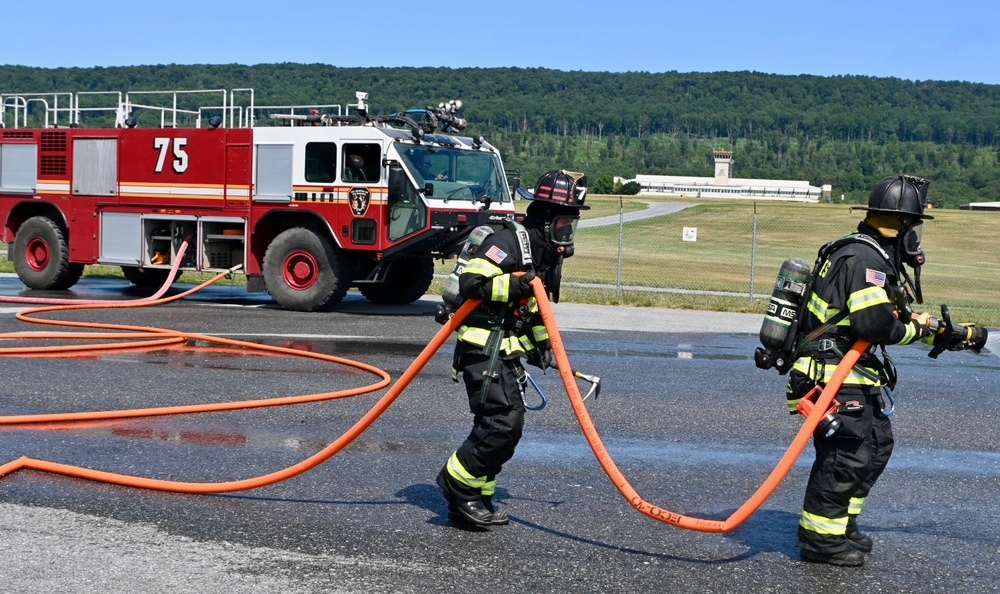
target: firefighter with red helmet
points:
(862, 291)
(502, 330)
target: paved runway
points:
(694, 426)
(653, 209)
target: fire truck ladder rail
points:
(236, 108)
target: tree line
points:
(847, 131)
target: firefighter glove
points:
(549, 360)
(925, 326)
(542, 357)
(520, 287)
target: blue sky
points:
(915, 40)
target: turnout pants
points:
(470, 473)
(847, 466)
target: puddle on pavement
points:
(664, 454)
(667, 352)
(208, 355)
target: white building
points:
(980, 206)
(724, 186)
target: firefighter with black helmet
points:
(502, 330)
(862, 290)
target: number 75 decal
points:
(180, 161)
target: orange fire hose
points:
(576, 401)
(171, 275)
(623, 486)
(218, 487)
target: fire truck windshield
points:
(458, 174)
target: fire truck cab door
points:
(407, 212)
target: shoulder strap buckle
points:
(826, 344)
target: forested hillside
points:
(846, 131)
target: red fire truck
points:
(324, 199)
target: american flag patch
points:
(875, 277)
(497, 255)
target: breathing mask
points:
(911, 253)
(560, 233)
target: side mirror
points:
(516, 183)
(397, 182)
(428, 189)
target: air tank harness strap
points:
(885, 378)
(812, 342)
(829, 346)
(499, 324)
(817, 349)
(492, 350)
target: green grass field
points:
(963, 268)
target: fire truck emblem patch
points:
(360, 199)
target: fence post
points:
(753, 252)
(621, 242)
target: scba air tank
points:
(789, 290)
(450, 294)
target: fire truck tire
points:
(147, 278)
(408, 280)
(41, 256)
(304, 272)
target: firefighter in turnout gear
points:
(502, 330)
(862, 290)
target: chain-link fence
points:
(725, 256)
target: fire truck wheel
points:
(41, 256)
(303, 271)
(408, 280)
(147, 278)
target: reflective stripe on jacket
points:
(857, 279)
(489, 276)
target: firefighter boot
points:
(858, 539)
(462, 511)
(500, 517)
(848, 558)
(470, 512)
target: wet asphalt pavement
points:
(689, 419)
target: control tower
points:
(723, 166)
